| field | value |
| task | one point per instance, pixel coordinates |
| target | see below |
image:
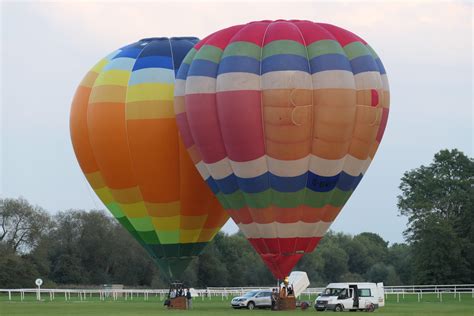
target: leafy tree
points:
(439, 202)
(21, 224)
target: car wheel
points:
(338, 308)
(251, 305)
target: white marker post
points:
(38, 283)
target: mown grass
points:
(408, 305)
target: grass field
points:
(430, 305)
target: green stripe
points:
(323, 47)
(168, 237)
(239, 199)
(209, 52)
(149, 237)
(114, 208)
(142, 224)
(243, 49)
(372, 52)
(189, 56)
(284, 47)
(356, 49)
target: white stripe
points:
(333, 79)
(250, 169)
(385, 84)
(286, 80)
(288, 168)
(235, 81)
(220, 170)
(368, 80)
(202, 169)
(285, 230)
(200, 84)
(180, 88)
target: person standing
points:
(189, 299)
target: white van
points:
(351, 296)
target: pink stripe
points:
(204, 126)
(343, 36)
(282, 30)
(240, 119)
(383, 124)
(252, 33)
(313, 32)
(184, 131)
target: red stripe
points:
(204, 125)
(375, 97)
(313, 32)
(252, 33)
(221, 38)
(383, 124)
(282, 254)
(283, 30)
(343, 36)
(184, 132)
(240, 120)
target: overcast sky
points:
(426, 48)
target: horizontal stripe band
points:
(285, 230)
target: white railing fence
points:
(225, 292)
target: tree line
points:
(89, 248)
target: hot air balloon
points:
(125, 137)
(282, 119)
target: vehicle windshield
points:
(332, 292)
(250, 294)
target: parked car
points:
(252, 299)
(351, 296)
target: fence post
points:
(440, 296)
(9, 295)
(398, 298)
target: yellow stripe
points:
(104, 195)
(107, 94)
(163, 209)
(95, 180)
(89, 79)
(113, 77)
(134, 210)
(128, 195)
(100, 65)
(150, 91)
(166, 223)
(156, 109)
(189, 235)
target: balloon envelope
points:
(282, 119)
(125, 137)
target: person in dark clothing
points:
(189, 299)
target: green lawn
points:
(409, 305)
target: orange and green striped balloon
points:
(125, 137)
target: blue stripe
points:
(131, 52)
(183, 72)
(284, 62)
(381, 67)
(330, 62)
(232, 183)
(212, 185)
(239, 64)
(202, 67)
(154, 62)
(151, 75)
(363, 64)
(123, 63)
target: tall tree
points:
(439, 202)
(22, 224)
